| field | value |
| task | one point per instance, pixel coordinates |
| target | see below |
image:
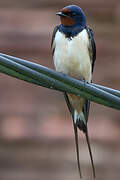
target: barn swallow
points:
(74, 54)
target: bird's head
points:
(72, 15)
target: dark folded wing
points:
(69, 105)
(92, 52)
(53, 37)
(92, 48)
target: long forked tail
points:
(90, 152)
(77, 148)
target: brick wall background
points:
(36, 134)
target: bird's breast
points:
(71, 56)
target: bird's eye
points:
(69, 14)
(74, 14)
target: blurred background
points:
(36, 133)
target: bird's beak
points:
(61, 14)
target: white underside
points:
(72, 56)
